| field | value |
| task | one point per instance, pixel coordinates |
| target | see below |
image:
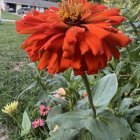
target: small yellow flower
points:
(10, 108)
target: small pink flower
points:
(37, 123)
(60, 93)
(57, 95)
(48, 108)
(44, 110)
(41, 122)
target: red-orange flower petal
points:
(79, 35)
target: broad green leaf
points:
(70, 119)
(85, 135)
(52, 113)
(90, 125)
(104, 90)
(67, 134)
(26, 124)
(108, 127)
(83, 104)
(55, 111)
(54, 137)
(105, 127)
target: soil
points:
(3, 136)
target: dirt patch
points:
(3, 136)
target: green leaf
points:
(104, 90)
(136, 130)
(54, 137)
(133, 113)
(124, 106)
(137, 136)
(52, 113)
(90, 125)
(135, 16)
(105, 127)
(136, 127)
(135, 5)
(70, 119)
(28, 88)
(67, 134)
(26, 124)
(61, 80)
(85, 135)
(119, 67)
(83, 104)
(108, 127)
(132, 83)
(135, 54)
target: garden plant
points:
(85, 57)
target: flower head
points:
(56, 95)
(61, 91)
(44, 110)
(10, 108)
(78, 34)
(37, 123)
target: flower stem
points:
(17, 122)
(86, 82)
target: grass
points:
(8, 15)
(13, 69)
(15, 74)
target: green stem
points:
(46, 132)
(86, 82)
(42, 131)
(17, 122)
(128, 53)
(39, 78)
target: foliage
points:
(26, 124)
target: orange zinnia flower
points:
(78, 34)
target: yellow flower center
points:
(71, 12)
